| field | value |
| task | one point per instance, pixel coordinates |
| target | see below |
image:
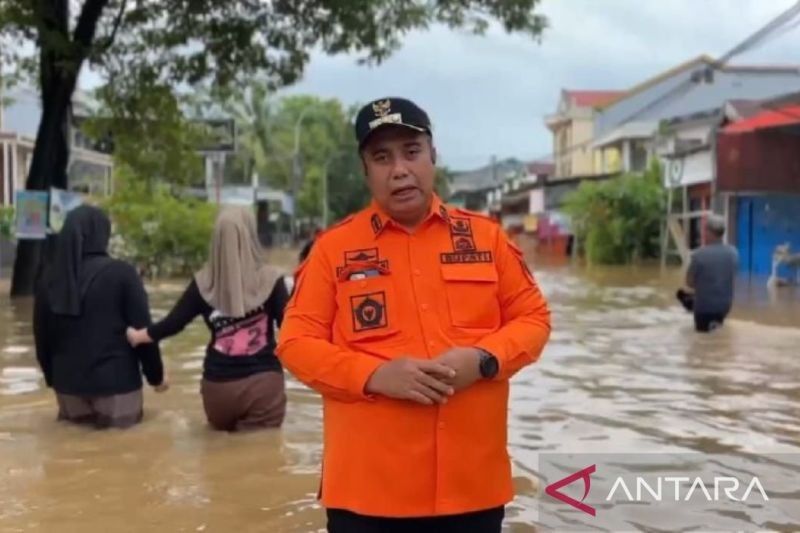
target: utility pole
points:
(253, 181)
(297, 170)
(2, 105)
(219, 165)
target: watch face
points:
(489, 366)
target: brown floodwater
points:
(624, 372)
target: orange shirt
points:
(456, 281)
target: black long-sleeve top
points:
(89, 355)
(239, 347)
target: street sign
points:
(219, 135)
(675, 171)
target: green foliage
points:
(444, 178)
(161, 233)
(618, 221)
(215, 42)
(144, 50)
(6, 222)
(238, 37)
(149, 132)
(326, 148)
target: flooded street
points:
(624, 372)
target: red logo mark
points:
(553, 489)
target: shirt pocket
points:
(472, 295)
(367, 310)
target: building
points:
(758, 174)
(626, 126)
(572, 127)
(473, 189)
(685, 147)
(519, 202)
(89, 169)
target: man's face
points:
(400, 168)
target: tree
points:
(253, 110)
(220, 41)
(444, 178)
(618, 221)
(327, 149)
(157, 231)
(150, 135)
(6, 222)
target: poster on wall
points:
(31, 212)
(61, 203)
(531, 223)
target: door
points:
(744, 232)
(774, 222)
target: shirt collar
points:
(378, 219)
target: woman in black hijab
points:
(83, 306)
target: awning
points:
(770, 118)
(628, 131)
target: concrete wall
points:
(574, 156)
(536, 204)
(582, 156)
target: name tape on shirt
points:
(465, 257)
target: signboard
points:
(690, 169)
(61, 203)
(218, 135)
(530, 223)
(31, 210)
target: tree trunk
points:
(48, 169)
(58, 69)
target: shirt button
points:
(431, 344)
(425, 307)
(417, 272)
(441, 425)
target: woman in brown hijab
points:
(240, 299)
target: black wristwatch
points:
(489, 366)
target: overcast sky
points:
(488, 95)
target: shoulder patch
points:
(444, 213)
(375, 222)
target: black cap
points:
(390, 112)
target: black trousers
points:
(488, 521)
(703, 322)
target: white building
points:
(89, 170)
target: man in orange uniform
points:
(409, 318)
